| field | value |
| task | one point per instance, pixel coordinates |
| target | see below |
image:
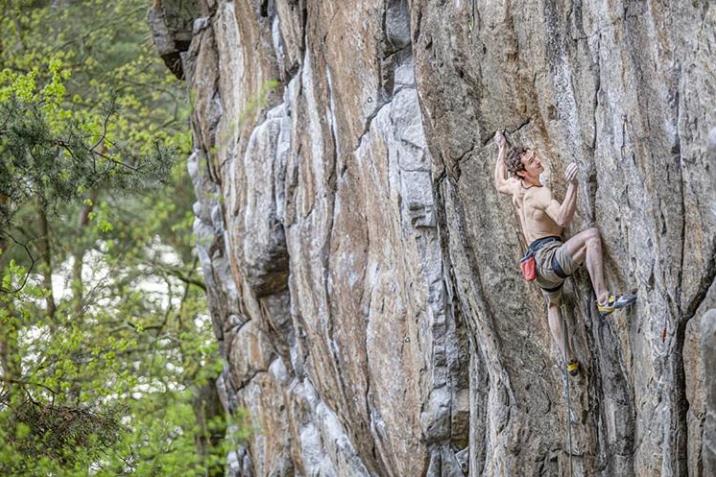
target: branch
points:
(66, 145)
(178, 273)
(119, 163)
(29, 270)
(104, 125)
(27, 383)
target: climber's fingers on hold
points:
(571, 172)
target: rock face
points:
(362, 269)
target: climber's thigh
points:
(553, 298)
(577, 245)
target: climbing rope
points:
(565, 389)
(569, 418)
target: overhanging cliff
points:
(362, 270)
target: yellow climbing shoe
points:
(614, 302)
(573, 367)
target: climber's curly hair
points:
(513, 163)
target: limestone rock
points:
(362, 270)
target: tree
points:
(113, 370)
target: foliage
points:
(83, 108)
(110, 371)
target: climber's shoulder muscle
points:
(511, 186)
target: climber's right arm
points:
(505, 185)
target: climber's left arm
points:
(569, 205)
(563, 213)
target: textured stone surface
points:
(171, 25)
(362, 269)
(708, 356)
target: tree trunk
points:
(46, 262)
(78, 255)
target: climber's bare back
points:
(536, 220)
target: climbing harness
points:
(528, 263)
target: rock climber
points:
(543, 219)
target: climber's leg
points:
(586, 247)
(554, 317)
(557, 329)
(555, 326)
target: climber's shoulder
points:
(510, 186)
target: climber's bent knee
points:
(577, 245)
(592, 233)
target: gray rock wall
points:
(362, 269)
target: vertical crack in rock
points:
(707, 281)
(680, 434)
(499, 395)
(475, 462)
(592, 181)
(332, 190)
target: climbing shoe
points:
(573, 367)
(614, 302)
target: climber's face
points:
(532, 164)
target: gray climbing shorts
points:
(554, 265)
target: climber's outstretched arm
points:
(505, 185)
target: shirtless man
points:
(543, 219)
